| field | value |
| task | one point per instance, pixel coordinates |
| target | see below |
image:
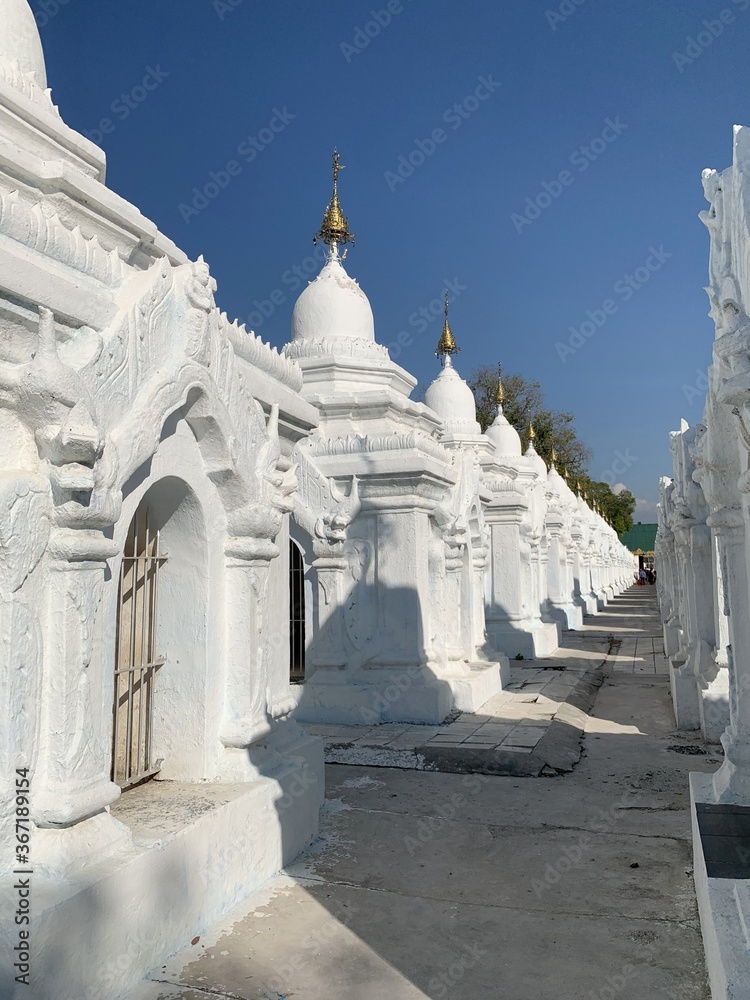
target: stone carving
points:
(123, 388)
(38, 226)
(26, 83)
(347, 347)
(354, 444)
(50, 398)
(321, 507)
(251, 348)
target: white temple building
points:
(388, 519)
(146, 477)
(430, 551)
(205, 543)
(703, 553)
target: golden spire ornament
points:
(532, 433)
(500, 394)
(447, 344)
(334, 229)
(552, 456)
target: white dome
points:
(19, 40)
(536, 462)
(561, 487)
(333, 306)
(452, 399)
(504, 436)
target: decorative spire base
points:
(447, 344)
(334, 229)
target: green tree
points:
(617, 508)
(523, 406)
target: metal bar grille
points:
(296, 614)
(135, 661)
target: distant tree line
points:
(524, 407)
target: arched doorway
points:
(296, 614)
(162, 696)
(136, 659)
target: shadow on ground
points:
(445, 885)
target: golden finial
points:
(532, 433)
(447, 343)
(553, 456)
(500, 395)
(335, 228)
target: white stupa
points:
(449, 396)
(333, 305)
(502, 433)
(21, 52)
(559, 483)
(534, 459)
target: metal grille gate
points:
(296, 614)
(135, 661)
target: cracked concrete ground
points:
(445, 885)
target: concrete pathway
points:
(534, 727)
(514, 722)
(426, 884)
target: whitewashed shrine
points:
(703, 550)
(388, 520)
(145, 483)
(205, 543)
(428, 552)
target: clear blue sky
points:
(220, 73)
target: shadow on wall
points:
(373, 653)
